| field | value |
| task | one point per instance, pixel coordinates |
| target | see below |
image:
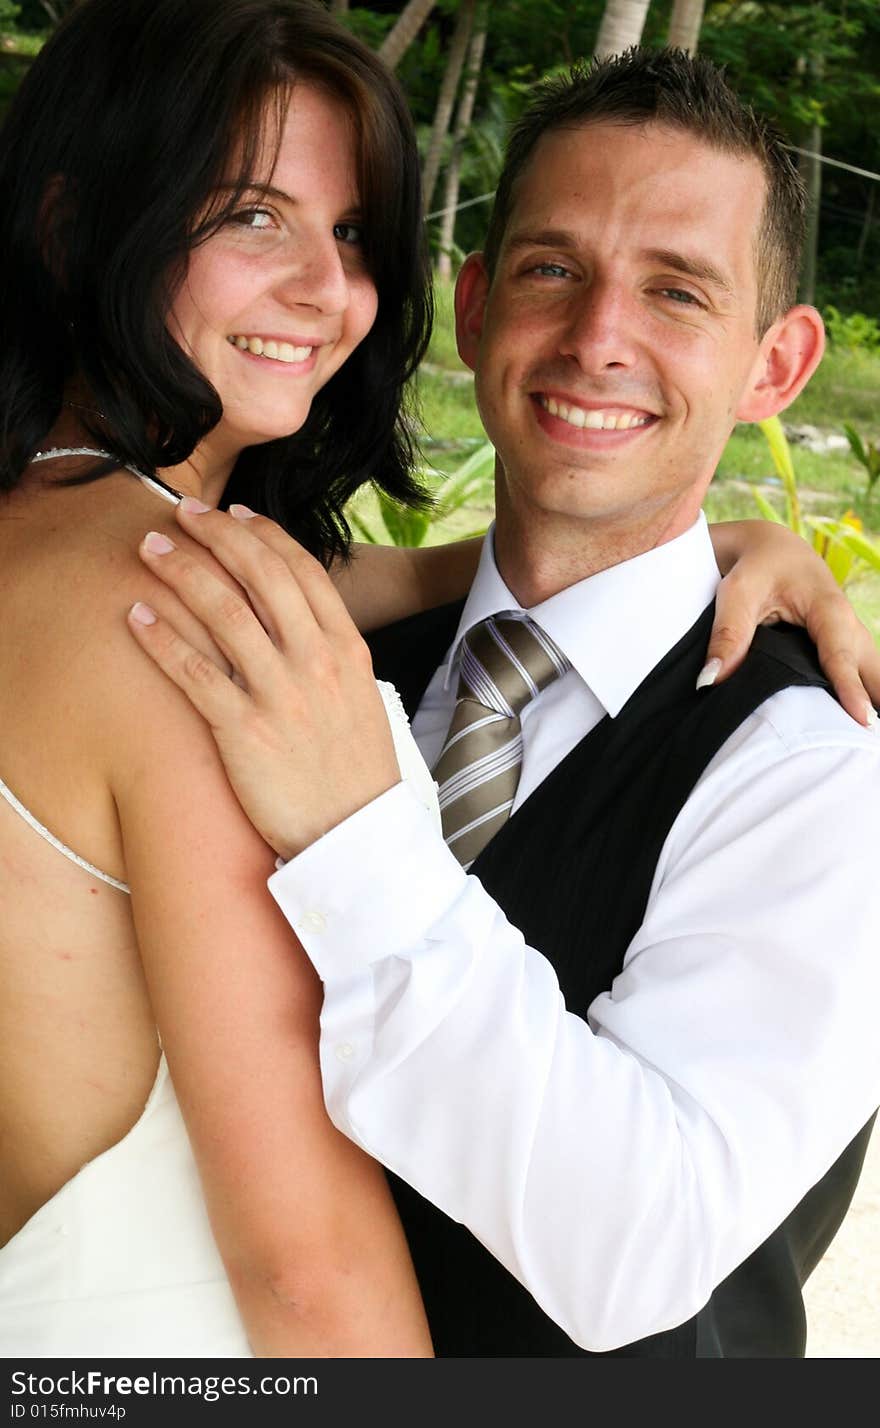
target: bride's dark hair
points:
(134, 135)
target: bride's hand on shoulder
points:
(301, 726)
(771, 574)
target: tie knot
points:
(506, 661)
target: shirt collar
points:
(615, 626)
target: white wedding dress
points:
(121, 1262)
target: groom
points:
(621, 1068)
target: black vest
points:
(574, 874)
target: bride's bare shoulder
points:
(69, 573)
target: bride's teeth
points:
(551, 406)
(275, 351)
(577, 417)
(594, 420)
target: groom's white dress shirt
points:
(622, 1166)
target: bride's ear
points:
(56, 210)
(791, 350)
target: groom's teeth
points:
(593, 420)
(275, 351)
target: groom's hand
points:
(300, 724)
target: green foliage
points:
(868, 456)
(466, 485)
(840, 541)
(853, 331)
(781, 453)
(367, 25)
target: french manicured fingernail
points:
(143, 614)
(192, 506)
(158, 544)
(241, 513)
(709, 673)
(871, 716)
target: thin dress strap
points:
(168, 494)
(29, 818)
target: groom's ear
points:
(790, 351)
(471, 292)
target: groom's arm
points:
(619, 1168)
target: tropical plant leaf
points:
(781, 454)
(864, 548)
(404, 526)
(361, 529)
(769, 512)
(843, 546)
(468, 481)
(855, 442)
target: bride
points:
(215, 290)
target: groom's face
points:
(616, 339)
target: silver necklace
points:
(168, 493)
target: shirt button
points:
(345, 1051)
(314, 922)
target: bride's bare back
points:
(109, 757)
(78, 1041)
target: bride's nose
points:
(316, 277)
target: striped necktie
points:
(505, 662)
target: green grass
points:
(845, 388)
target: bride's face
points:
(276, 300)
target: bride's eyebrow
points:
(255, 189)
(254, 186)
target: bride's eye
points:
(349, 233)
(254, 218)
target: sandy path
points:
(843, 1294)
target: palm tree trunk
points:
(811, 169)
(462, 124)
(404, 31)
(446, 99)
(684, 25)
(866, 228)
(622, 26)
(338, 7)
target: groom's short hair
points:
(683, 92)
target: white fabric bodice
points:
(121, 1261)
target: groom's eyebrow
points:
(691, 265)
